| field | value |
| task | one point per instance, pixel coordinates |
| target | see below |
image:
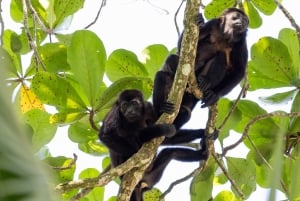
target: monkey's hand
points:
(200, 20)
(214, 135)
(169, 130)
(167, 107)
(210, 97)
(203, 83)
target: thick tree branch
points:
(185, 67)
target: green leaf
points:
(6, 62)
(255, 20)
(249, 110)
(290, 39)
(216, 7)
(43, 131)
(295, 121)
(279, 97)
(64, 8)
(67, 117)
(154, 56)
(54, 56)
(16, 11)
(295, 177)
(226, 196)
(202, 184)
(62, 162)
(109, 96)
(267, 7)
(152, 195)
(93, 147)
(16, 59)
(89, 173)
(271, 65)
(123, 63)
(87, 58)
(56, 91)
(243, 173)
(224, 106)
(80, 132)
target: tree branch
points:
(254, 120)
(185, 67)
(103, 3)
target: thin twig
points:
(241, 94)
(175, 18)
(81, 194)
(69, 166)
(181, 180)
(284, 187)
(223, 168)
(290, 18)
(103, 3)
(37, 18)
(32, 44)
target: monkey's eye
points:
(135, 102)
(124, 106)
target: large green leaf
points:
(242, 171)
(255, 20)
(6, 62)
(43, 131)
(280, 97)
(61, 162)
(109, 96)
(56, 91)
(267, 7)
(64, 8)
(81, 132)
(154, 56)
(249, 110)
(87, 58)
(271, 65)
(54, 56)
(290, 39)
(123, 63)
(216, 7)
(8, 36)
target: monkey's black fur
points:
(220, 64)
(130, 123)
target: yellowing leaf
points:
(29, 100)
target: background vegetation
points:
(71, 80)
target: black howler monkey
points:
(220, 64)
(130, 123)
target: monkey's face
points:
(234, 23)
(132, 110)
